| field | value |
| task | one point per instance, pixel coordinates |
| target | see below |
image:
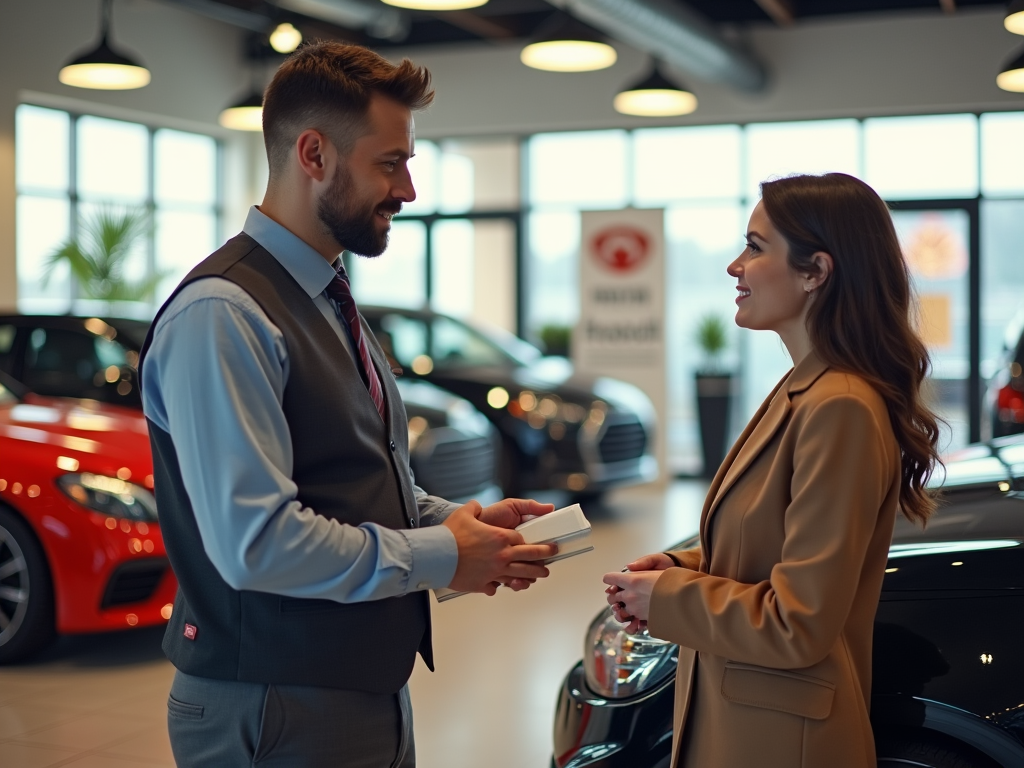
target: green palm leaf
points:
(98, 257)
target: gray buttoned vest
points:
(349, 466)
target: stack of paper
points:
(567, 527)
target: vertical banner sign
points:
(621, 330)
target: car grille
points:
(134, 582)
(457, 468)
(623, 441)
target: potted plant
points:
(556, 339)
(714, 391)
(98, 256)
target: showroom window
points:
(455, 247)
(494, 236)
(71, 168)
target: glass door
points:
(940, 243)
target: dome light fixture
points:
(285, 38)
(245, 115)
(568, 46)
(102, 67)
(436, 5)
(655, 96)
(1011, 78)
(1014, 21)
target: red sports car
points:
(80, 546)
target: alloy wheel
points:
(14, 586)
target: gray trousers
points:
(226, 724)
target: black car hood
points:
(558, 376)
(981, 496)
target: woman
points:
(774, 611)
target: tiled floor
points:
(100, 701)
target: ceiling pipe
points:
(251, 20)
(673, 32)
(374, 18)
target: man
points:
(302, 547)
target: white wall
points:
(197, 69)
(896, 63)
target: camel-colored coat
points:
(774, 612)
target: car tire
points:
(928, 752)
(26, 591)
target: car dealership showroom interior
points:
(555, 276)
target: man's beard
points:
(352, 225)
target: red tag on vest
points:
(191, 630)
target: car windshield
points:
(442, 343)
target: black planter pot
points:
(714, 401)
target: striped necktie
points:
(340, 293)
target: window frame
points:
(149, 204)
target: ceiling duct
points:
(251, 20)
(673, 32)
(374, 18)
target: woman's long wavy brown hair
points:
(860, 319)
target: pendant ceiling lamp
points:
(567, 45)
(436, 5)
(1011, 78)
(244, 115)
(285, 38)
(103, 67)
(655, 96)
(1014, 21)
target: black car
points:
(453, 448)
(948, 660)
(559, 429)
(1006, 391)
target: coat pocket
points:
(777, 689)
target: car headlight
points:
(619, 665)
(109, 496)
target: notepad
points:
(567, 527)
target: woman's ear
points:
(822, 270)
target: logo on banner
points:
(621, 248)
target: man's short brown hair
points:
(328, 86)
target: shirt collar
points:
(309, 269)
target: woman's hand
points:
(656, 562)
(629, 594)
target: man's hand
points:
(629, 594)
(508, 513)
(490, 555)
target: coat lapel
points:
(758, 433)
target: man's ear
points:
(823, 265)
(314, 154)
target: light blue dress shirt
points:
(214, 380)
